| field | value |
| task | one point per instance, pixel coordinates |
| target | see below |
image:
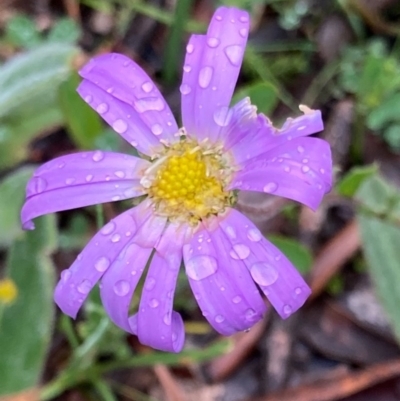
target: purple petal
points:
(121, 117)
(300, 170)
(263, 136)
(222, 287)
(95, 259)
(157, 324)
(270, 269)
(126, 81)
(211, 69)
(121, 279)
(82, 179)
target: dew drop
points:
(305, 161)
(185, 89)
(167, 319)
(286, 169)
(243, 32)
(102, 108)
(240, 251)
(219, 319)
(120, 174)
(230, 231)
(39, 185)
(263, 273)
(222, 116)
(153, 303)
(89, 178)
(218, 18)
(120, 126)
(300, 149)
(190, 48)
(205, 76)
(322, 171)
(102, 264)
(271, 187)
(65, 275)
(201, 266)
(244, 18)
(115, 238)
(116, 198)
(150, 283)
(156, 129)
(149, 104)
(254, 235)
(287, 310)
(213, 42)
(108, 228)
(98, 156)
(84, 287)
(88, 98)
(305, 169)
(234, 54)
(187, 68)
(147, 87)
(298, 291)
(237, 299)
(70, 181)
(121, 288)
(250, 314)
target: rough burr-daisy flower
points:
(190, 177)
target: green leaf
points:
(65, 30)
(26, 325)
(28, 97)
(12, 189)
(297, 253)
(21, 31)
(381, 249)
(385, 113)
(350, 183)
(262, 94)
(392, 135)
(83, 123)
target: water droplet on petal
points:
(243, 32)
(65, 275)
(263, 273)
(108, 228)
(205, 76)
(201, 266)
(230, 231)
(84, 287)
(115, 238)
(147, 87)
(271, 187)
(286, 169)
(218, 18)
(234, 54)
(120, 174)
(102, 264)
(39, 185)
(244, 18)
(121, 288)
(305, 169)
(153, 303)
(305, 161)
(89, 178)
(240, 251)
(88, 98)
(185, 89)
(149, 104)
(156, 129)
(287, 310)
(254, 235)
(102, 108)
(187, 68)
(237, 299)
(223, 116)
(120, 126)
(219, 319)
(213, 42)
(70, 181)
(98, 156)
(298, 291)
(322, 171)
(300, 149)
(150, 283)
(190, 48)
(167, 319)
(250, 314)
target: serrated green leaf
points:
(65, 30)
(28, 97)
(21, 31)
(83, 123)
(351, 182)
(12, 189)
(297, 253)
(381, 249)
(262, 94)
(26, 325)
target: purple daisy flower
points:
(190, 177)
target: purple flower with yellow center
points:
(189, 177)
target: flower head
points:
(190, 177)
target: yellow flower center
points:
(187, 182)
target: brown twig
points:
(172, 389)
